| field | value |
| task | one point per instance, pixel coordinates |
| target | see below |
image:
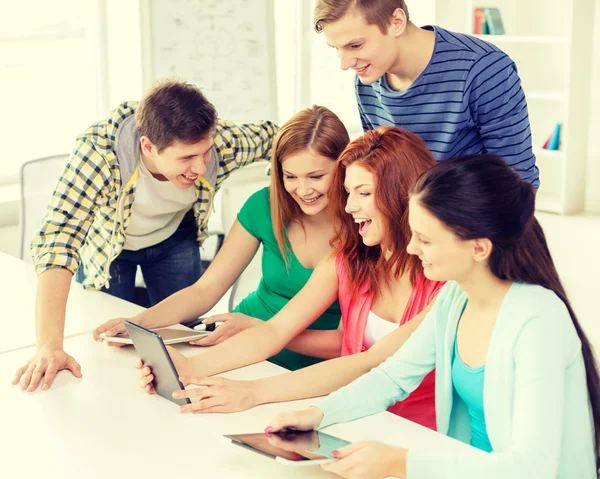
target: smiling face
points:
(443, 254)
(306, 177)
(180, 163)
(362, 47)
(360, 185)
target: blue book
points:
(554, 142)
(493, 21)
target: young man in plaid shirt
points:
(137, 190)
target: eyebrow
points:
(351, 42)
(357, 187)
(322, 170)
(420, 234)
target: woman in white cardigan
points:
(515, 374)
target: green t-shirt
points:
(278, 285)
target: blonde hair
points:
(376, 12)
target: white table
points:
(105, 426)
(85, 309)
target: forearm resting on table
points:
(328, 376)
(325, 344)
(50, 307)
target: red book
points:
(546, 143)
(478, 23)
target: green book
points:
(493, 21)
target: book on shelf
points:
(553, 142)
(487, 21)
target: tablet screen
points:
(292, 445)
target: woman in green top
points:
(291, 220)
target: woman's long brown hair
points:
(317, 130)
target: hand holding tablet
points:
(293, 448)
(154, 355)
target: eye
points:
(289, 177)
(318, 177)
(365, 194)
(356, 46)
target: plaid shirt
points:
(90, 208)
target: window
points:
(48, 71)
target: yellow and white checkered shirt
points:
(88, 213)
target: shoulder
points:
(463, 45)
(534, 301)
(471, 53)
(229, 134)
(255, 214)
(538, 311)
(535, 318)
(101, 136)
(259, 199)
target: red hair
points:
(396, 158)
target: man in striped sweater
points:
(461, 94)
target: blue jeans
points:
(167, 267)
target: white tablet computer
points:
(293, 448)
(170, 335)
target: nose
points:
(412, 246)
(304, 187)
(351, 206)
(199, 167)
(346, 60)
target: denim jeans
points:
(167, 267)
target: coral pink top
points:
(420, 405)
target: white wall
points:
(124, 47)
(593, 164)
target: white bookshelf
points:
(550, 42)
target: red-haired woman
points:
(379, 285)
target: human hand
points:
(181, 363)
(111, 327)
(305, 420)
(217, 395)
(295, 441)
(45, 363)
(231, 324)
(368, 460)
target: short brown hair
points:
(175, 111)
(376, 12)
(316, 129)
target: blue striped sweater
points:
(468, 100)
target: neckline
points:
(384, 82)
(494, 329)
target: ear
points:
(146, 145)
(397, 23)
(482, 249)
